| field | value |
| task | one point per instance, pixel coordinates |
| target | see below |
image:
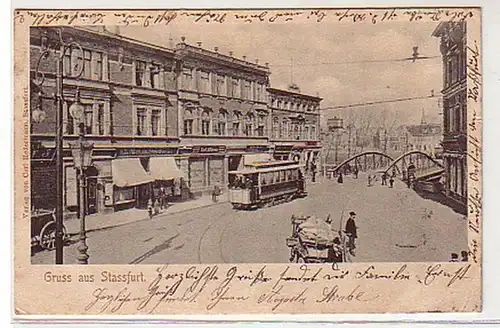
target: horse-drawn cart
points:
(43, 229)
(313, 241)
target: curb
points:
(145, 219)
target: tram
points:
(266, 184)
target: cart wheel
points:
(48, 236)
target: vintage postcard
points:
(279, 161)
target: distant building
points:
(453, 49)
(295, 124)
(424, 137)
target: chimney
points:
(216, 49)
(267, 65)
(231, 53)
(199, 44)
(257, 61)
(244, 57)
(183, 39)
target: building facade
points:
(295, 130)
(424, 137)
(222, 114)
(453, 48)
(179, 118)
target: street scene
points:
(251, 144)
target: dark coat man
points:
(350, 226)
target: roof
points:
(300, 95)
(424, 129)
(265, 170)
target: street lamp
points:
(59, 51)
(82, 159)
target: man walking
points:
(352, 232)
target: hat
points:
(352, 213)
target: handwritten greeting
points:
(163, 18)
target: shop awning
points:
(256, 158)
(128, 172)
(164, 168)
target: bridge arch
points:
(423, 163)
(365, 160)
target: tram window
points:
(263, 179)
(290, 175)
(283, 176)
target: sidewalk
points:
(105, 221)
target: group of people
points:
(158, 203)
(464, 254)
(351, 231)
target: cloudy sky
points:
(315, 54)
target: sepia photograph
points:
(249, 144)
(334, 154)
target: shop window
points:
(205, 123)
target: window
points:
(188, 122)
(276, 127)
(284, 129)
(88, 119)
(187, 77)
(313, 132)
(246, 90)
(141, 122)
(261, 125)
(100, 119)
(220, 85)
(154, 76)
(204, 82)
(97, 67)
(205, 123)
(236, 124)
(249, 125)
(234, 88)
(221, 123)
(140, 73)
(307, 133)
(92, 64)
(155, 122)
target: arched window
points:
(284, 129)
(205, 123)
(221, 123)
(236, 124)
(276, 128)
(261, 125)
(249, 124)
(188, 121)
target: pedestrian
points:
(356, 171)
(215, 194)
(335, 252)
(340, 179)
(384, 179)
(352, 231)
(391, 182)
(313, 171)
(150, 208)
(454, 257)
(369, 180)
(157, 206)
(162, 197)
(465, 256)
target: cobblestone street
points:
(394, 224)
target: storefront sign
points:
(283, 148)
(256, 148)
(208, 149)
(122, 152)
(42, 153)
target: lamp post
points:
(82, 159)
(62, 47)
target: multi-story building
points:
(453, 49)
(179, 117)
(222, 114)
(424, 137)
(295, 125)
(128, 91)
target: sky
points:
(314, 56)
